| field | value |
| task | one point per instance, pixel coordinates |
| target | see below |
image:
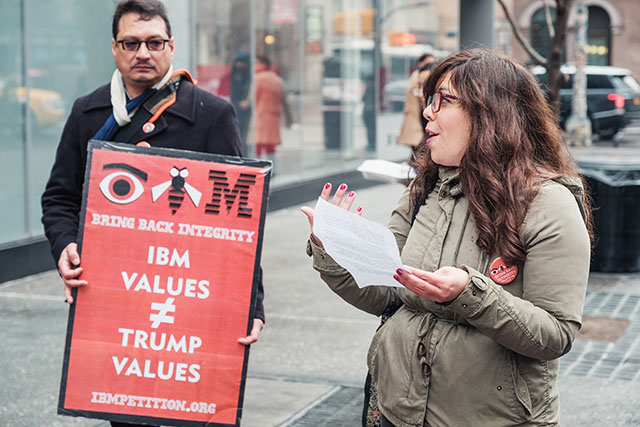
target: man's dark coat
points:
(198, 121)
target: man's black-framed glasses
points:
(153, 45)
(435, 100)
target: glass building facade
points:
(343, 65)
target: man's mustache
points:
(145, 63)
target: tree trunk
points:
(554, 58)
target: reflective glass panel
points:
(12, 124)
(67, 55)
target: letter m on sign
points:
(222, 193)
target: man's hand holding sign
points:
(70, 270)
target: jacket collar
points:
(99, 99)
(450, 177)
(184, 107)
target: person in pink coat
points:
(271, 103)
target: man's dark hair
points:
(429, 66)
(147, 9)
(425, 56)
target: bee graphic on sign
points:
(177, 188)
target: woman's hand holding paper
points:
(340, 198)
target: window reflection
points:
(332, 108)
(12, 125)
(321, 55)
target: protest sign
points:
(170, 245)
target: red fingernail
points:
(343, 187)
(395, 276)
(359, 209)
(399, 271)
(327, 186)
(352, 194)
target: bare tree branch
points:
(547, 15)
(537, 58)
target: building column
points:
(476, 23)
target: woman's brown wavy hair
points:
(514, 146)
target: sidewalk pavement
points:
(309, 366)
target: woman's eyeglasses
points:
(435, 100)
(153, 45)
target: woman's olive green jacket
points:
(489, 357)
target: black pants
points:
(385, 422)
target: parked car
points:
(45, 106)
(613, 97)
(633, 106)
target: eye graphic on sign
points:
(177, 187)
(122, 186)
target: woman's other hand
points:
(443, 285)
(340, 198)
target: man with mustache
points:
(192, 119)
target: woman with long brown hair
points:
(494, 235)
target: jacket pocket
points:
(389, 356)
(520, 385)
(470, 367)
(395, 369)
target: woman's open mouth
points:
(430, 135)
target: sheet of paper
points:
(383, 170)
(365, 248)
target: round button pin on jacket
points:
(148, 127)
(501, 273)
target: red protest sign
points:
(170, 243)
